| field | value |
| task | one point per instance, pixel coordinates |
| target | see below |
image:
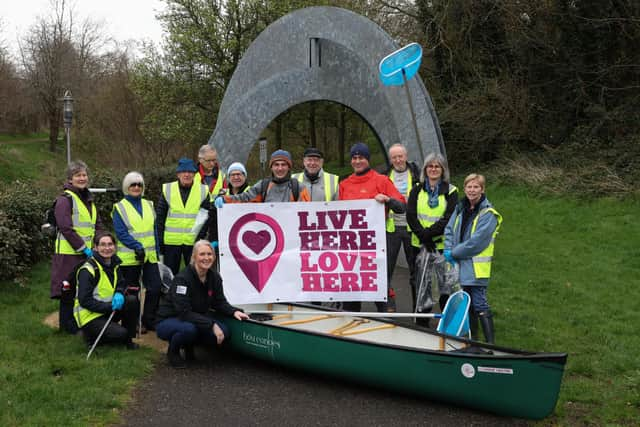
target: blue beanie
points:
(360, 149)
(236, 166)
(281, 155)
(186, 165)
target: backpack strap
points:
(295, 188)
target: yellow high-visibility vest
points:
(84, 224)
(141, 228)
(329, 180)
(103, 291)
(197, 180)
(181, 218)
(482, 261)
(427, 216)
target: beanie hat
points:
(131, 178)
(186, 165)
(281, 155)
(312, 152)
(237, 166)
(360, 149)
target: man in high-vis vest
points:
(176, 214)
(469, 241)
(134, 221)
(322, 186)
(404, 175)
(209, 171)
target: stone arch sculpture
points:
(321, 53)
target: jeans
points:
(478, 295)
(180, 333)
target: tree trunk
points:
(312, 124)
(341, 131)
(54, 129)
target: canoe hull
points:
(522, 385)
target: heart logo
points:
(257, 271)
(256, 241)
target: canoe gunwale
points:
(540, 357)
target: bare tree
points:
(58, 55)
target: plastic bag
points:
(201, 220)
(166, 277)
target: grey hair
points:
(206, 148)
(196, 245)
(76, 166)
(397, 144)
(438, 158)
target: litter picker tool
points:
(104, 328)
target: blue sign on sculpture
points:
(408, 59)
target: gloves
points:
(219, 202)
(214, 245)
(87, 252)
(448, 256)
(117, 301)
(139, 254)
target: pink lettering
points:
(369, 281)
(304, 258)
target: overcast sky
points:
(123, 19)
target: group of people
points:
(96, 274)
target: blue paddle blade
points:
(455, 316)
(407, 58)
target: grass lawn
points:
(566, 279)
(27, 157)
(44, 377)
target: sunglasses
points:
(137, 184)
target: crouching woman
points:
(184, 316)
(101, 292)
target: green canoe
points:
(404, 358)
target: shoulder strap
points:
(264, 187)
(295, 189)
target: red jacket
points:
(366, 186)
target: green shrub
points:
(21, 214)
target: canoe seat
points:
(455, 316)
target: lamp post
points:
(67, 116)
(262, 143)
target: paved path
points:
(224, 389)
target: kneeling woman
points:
(184, 316)
(101, 292)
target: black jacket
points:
(436, 230)
(190, 300)
(87, 283)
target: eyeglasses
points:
(137, 184)
(434, 167)
(236, 175)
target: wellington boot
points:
(486, 320)
(473, 324)
(175, 359)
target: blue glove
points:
(117, 301)
(214, 244)
(87, 252)
(219, 202)
(448, 256)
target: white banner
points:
(295, 252)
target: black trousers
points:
(122, 327)
(151, 281)
(173, 255)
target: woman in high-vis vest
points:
(429, 208)
(101, 291)
(469, 241)
(134, 221)
(77, 221)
